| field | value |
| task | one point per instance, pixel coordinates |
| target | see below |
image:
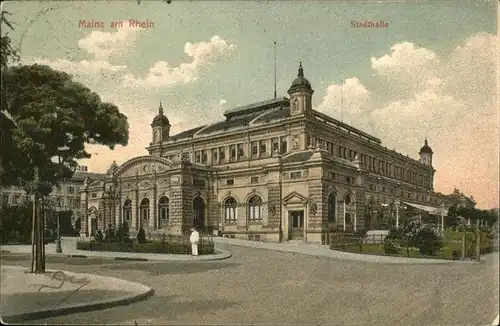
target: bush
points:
(110, 234)
(122, 233)
(141, 236)
(360, 233)
(455, 255)
(173, 247)
(99, 237)
(428, 241)
(395, 234)
(390, 248)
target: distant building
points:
(65, 196)
(270, 170)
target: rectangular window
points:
(229, 182)
(254, 180)
(197, 157)
(296, 175)
(241, 151)
(262, 148)
(214, 156)
(222, 154)
(339, 151)
(255, 149)
(284, 145)
(204, 157)
(71, 190)
(199, 183)
(275, 146)
(333, 176)
(232, 153)
(348, 179)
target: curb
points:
(82, 307)
(345, 255)
(220, 255)
(125, 300)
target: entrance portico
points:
(295, 217)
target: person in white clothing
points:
(194, 239)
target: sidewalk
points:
(68, 245)
(325, 251)
(27, 296)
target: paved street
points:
(258, 286)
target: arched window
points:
(127, 211)
(230, 210)
(348, 199)
(163, 209)
(144, 209)
(332, 207)
(255, 209)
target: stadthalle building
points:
(270, 170)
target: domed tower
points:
(426, 154)
(300, 95)
(161, 127)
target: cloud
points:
(452, 101)
(404, 58)
(354, 103)
(140, 133)
(203, 54)
(77, 67)
(104, 44)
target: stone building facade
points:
(65, 196)
(273, 170)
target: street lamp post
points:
(397, 212)
(58, 241)
(280, 232)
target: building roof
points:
(257, 107)
(187, 133)
(90, 175)
(270, 110)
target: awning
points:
(430, 209)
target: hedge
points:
(154, 247)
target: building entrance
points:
(296, 225)
(199, 213)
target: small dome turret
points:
(160, 118)
(300, 81)
(426, 149)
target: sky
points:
(429, 73)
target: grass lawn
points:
(378, 249)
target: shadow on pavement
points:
(162, 268)
(27, 302)
(157, 307)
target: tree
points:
(51, 112)
(8, 52)
(43, 111)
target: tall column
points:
(137, 204)
(84, 207)
(156, 222)
(120, 204)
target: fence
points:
(452, 243)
